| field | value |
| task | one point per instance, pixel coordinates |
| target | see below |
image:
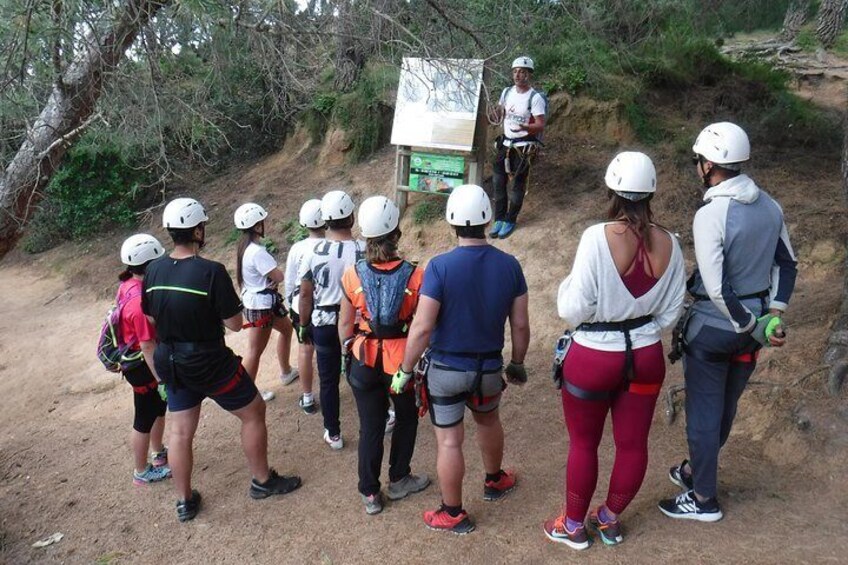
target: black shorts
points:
(232, 393)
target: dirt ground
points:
(65, 464)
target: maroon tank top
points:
(636, 279)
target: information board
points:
(429, 172)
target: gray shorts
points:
(451, 390)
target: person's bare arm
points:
(305, 302)
(147, 349)
(519, 325)
(419, 333)
(346, 320)
(234, 323)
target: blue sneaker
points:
(496, 228)
(151, 475)
(506, 230)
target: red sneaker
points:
(441, 521)
(496, 490)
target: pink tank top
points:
(637, 281)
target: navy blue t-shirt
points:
(476, 286)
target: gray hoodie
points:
(742, 248)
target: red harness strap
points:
(146, 388)
(646, 389)
(258, 323)
(745, 357)
(232, 383)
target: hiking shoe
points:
(410, 484)
(188, 509)
(496, 490)
(310, 408)
(151, 475)
(440, 521)
(276, 484)
(496, 229)
(506, 230)
(609, 532)
(268, 395)
(159, 458)
(681, 479)
(391, 420)
(290, 377)
(557, 531)
(687, 507)
(335, 442)
(373, 503)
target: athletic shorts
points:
(451, 390)
(231, 393)
(268, 316)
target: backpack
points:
(533, 94)
(384, 293)
(116, 355)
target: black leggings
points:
(148, 405)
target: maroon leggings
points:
(632, 412)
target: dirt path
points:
(65, 422)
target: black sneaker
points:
(685, 506)
(188, 509)
(276, 484)
(681, 479)
(310, 408)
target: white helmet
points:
(723, 143)
(336, 205)
(378, 216)
(140, 248)
(183, 213)
(310, 214)
(468, 205)
(632, 175)
(523, 63)
(248, 215)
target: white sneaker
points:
(335, 442)
(390, 421)
(268, 395)
(290, 377)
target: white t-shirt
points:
(324, 266)
(297, 253)
(594, 292)
(517, 110)
(255, 266)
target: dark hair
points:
(131, 270)
(471, 232)
(637, 214)
(183, 236)
(341, 224)
(384, 248)
(246, 239)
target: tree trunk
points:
(830, 20)
(836, 352)
(350, 56)
(796, 16)
(66, 114)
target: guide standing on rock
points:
(192, 300)
(744, 279)
(522, 110)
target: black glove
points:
(516, 373)
(304, 334)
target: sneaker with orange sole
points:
(496, 490)
(441, 521)
(609, 532)
(556, 531)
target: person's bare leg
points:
(284, 328)
(156, 434)
(139, 442)
(180, 455)
(450, 463)
(490, 438)
(305, 355)
(257, 340)
(254, 437)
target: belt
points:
(623, 326)
(761, 294)
(646, 389)
(330, 308)
(471, 354)
(196, 346)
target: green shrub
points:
(232, 236)
(361, 112)
(428, 211)
(293, 231)
(96, 187)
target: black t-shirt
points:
(189, 299)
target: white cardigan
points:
(594, 292)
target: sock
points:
(604, 515)
(453, 511)
(572, 525)
(493, 478)
(307, 397)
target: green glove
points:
(400, 380)
(304, 333)
(765, 327)
(516, 373)
(163, 394)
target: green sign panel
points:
(435, 173)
